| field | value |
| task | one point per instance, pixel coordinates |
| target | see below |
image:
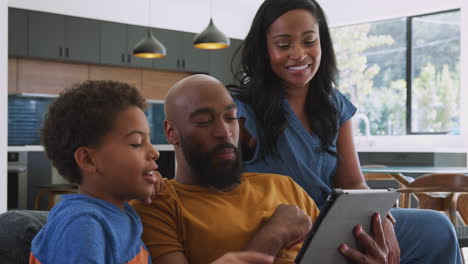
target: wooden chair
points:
(442, 192)
(397, 177)
(52, 190)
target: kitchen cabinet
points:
(171, 40)
(12, 75)
(120, 74)
(117, 43)
(59, 37)
(48, 77)
(17, 32)
(220, 63)
(156, 84)
(181, 55)
(196, 60)
(82, 39)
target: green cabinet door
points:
(195, 60)
(52, 36)
(171, 40)
(46, 35)
(220, 63)
(82, 39)
(113, 43)
(17, 32)
(134, 35)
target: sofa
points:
(17, 229)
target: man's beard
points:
(219, 174)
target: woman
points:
(294, 122)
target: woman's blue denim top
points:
(301, 157)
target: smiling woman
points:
(295, 121)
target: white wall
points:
(3, 102)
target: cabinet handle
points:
(183, 63)
(123, 58)
(67, 52)
(128, 58)
(178, 63)
(60, 51)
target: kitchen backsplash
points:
(26, 114)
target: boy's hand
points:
(158, 186)
(286, 227)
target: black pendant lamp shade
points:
(211, 38)
(149, 47)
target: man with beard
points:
(211, 208)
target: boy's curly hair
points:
(81, 116)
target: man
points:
(211, 208)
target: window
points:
(402, 74)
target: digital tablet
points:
(343, 210)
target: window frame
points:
(409, 70)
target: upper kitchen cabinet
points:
(181, 55)
(117, 43)
(82, 39)
(134, 35)
(220, 63)
(53, 36)
(196, 60)
(17, 32)
(173, 59)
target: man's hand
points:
(374, 250)
(158, 186)
(287, 226)
(392, 242)
(246, 257)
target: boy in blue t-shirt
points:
(97, 136)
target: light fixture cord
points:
(211, 9)
(149, 13)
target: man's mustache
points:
(223, 146)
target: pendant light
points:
(211, 37)
(149, 47)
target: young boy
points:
(97, 136)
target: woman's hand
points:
(374, 250)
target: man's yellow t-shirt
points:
(205, 224)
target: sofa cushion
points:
(17, 229)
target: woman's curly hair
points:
(81, 116)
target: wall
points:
(3, 102)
